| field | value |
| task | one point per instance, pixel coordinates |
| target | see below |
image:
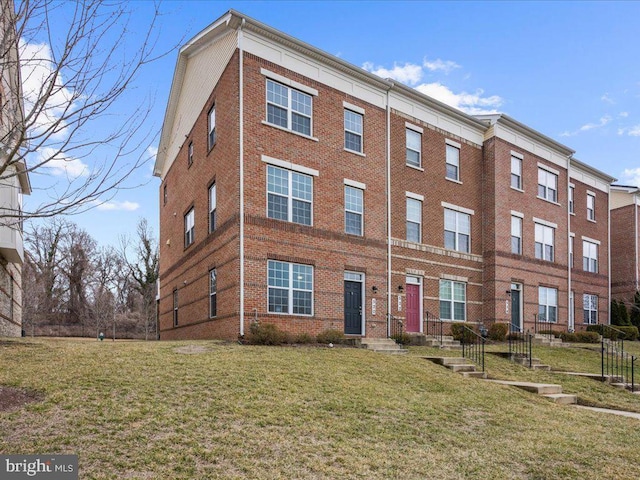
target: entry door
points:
(352, 307)
(413, 308)
(516, 307)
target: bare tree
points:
(82, 128)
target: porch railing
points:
(520, 344)
(433, 326)
(395, 327)
(615, 362)
(473, 346)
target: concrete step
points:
(448, 360)
(562, 398)
(477, 375)
(539, 388)
(459, 368)
(378, 341)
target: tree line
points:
(74, 287)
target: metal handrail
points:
(473, 346)
(395, 326)
(434, 326)
(520, 344)
(615, 362)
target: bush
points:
(304, 338)
(619, 314)
(587, 337)
(330, 336)
(458, 331)
(515, 336)
(267, 334)
(569, 337)
(550, 332)
(628, 333)
(402, 338)
(635, 310)
(498, 332)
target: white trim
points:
(415, 128)
(454, 278)
(290, 166)
(589, 192)
(517, 155)
(572, 185)
(352, 107)
(572, 234)
(548, 169)
(451, 206)
(355, 152)
(288, 82)
(517, 214)
(241, 170)
(591, 240)
(452, 143)
(363, 300)
(545, 223)
(273, 125)
(354, 184)
(413, 280)
(415, 196)
(453, 180)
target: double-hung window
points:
(591, 207)
(590, 307)
(189, 228)
(213, 293)
(453, 300)
(290, 195)
(457, 231)
(290, 288)
(590, 256)
(211, 139)
(572, 192)
(212, 207)
(414, 220)
(516, 172)
(190, 153)
(516, 235)
(353, 130)
(414, 148)
(547, 185)
(547, 304)
(175, 307)
(353, 210)
(544, 242)
(288, 108)
(453, 162)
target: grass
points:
(146, 411)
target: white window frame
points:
(290, 289)
(211, 126)
(213, 293)
(291, 175)
(289, 108)
(452, 301)
(452, 161)
(591, 207)
(516, 234)
(190, 154)
(516, 172)
(417, 149)
(572, 193)
(175, 307)
(412, 220)
(212, 207)
(547, 304)
(590, 309)
(571, 249)
(457, 233)
(189, 227)
(354, 132)
(544, 233)
(547, 185)
(589, 256)
(349, 208)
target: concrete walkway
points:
(613, 412)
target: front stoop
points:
(383, 345)
(536, 364)
(547, 340)
(448, 343)
(548, 390)
(458, 365)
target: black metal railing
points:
(473, 346)
(616, 364)
(395, 327)
(433, 326)
(520, 345)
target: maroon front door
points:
(413, 308)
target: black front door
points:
(352, 308)
(516, 322)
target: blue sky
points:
(570, 70)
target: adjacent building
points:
(625, 235)
(301, 190)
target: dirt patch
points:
(12, 398)
(192, 349)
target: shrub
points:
(550, 332)
(628, 332)
(569, 337)
(498, 332)
(514, 336)
(402, 338)
(330, 336)
(635, 310)
(304, 338)
(619, 314)
(267, 334)
(458, 331)
(586, 337)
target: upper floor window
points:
(164, 194)
(414, 148)
(590, 307)
(453, 162)
(213, 293)
(457, 231)
(354, 208)
(212, 207)
(353, 131)
(289, 195)
(516, 172)
(212, 127)
(548, 304)
(544, 242)
(414, 220)
(190, 153)
(516, 235)
(591, 207)
(175, 307)
(290, 288)
(189, 228)
(288, 108)
(590, 256)
(571, 202)
(571, 242)
(547, 185)
(453, 300)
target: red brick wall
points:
(623, 258)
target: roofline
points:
(626, 188)
(593, 171)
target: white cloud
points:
(606, 98)
(114, 205)
(58, 164)
(623, 114)
(631, 131)
(605, 120)
(471, 103)
(444, 65)
(409, 73)
(630, 176)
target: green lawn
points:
(146, 411)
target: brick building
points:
(14, 181)
(301, 190)
(625, 235)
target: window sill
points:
(291, 314)
(415, 168)
(548, 201)
(572, 213)
(264, 122)
(459, 183)
(355, 152)
(517, 189)
(592, 221)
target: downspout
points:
(609, 247)
(389, 212)
(635, 221)
(241, 138)
(569, 279)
